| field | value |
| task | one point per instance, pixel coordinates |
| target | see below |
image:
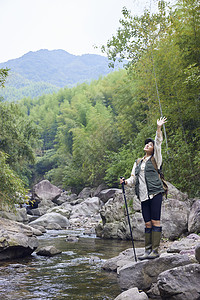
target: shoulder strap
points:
(154, 163)
(138, 161)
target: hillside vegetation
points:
(44, 72)
(92, 133)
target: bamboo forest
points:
(93, 132)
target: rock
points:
(85, 193)
(76, 201)
(105, 195)
(48, 251)
(38, 227)
(110, 230)
(72, 197)
(181, 283)
(96, 192)
(194, 217)
(197, 252)
(131, 197)
(119, 230)
(20, 215)
(143, 274)
(86, 208)
(113, 211)
(62, 198)
(94, 260)
(64, 209)
(86, 222)
(36, 232)
(132, 294)
(16, 240)
(53, 226)
(174, 218)
(184, 244)
(73, 239)
(174, 193)
(154, 292)
(44, 190)
(51, 221)
(65, 198)
(114, 221)
(121, 260)
(40, 211)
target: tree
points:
(3, 75)
(11, 187)
(163, 54)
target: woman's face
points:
(148, 148)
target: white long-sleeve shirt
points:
(143, 192)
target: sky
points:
(76, 26)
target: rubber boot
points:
(148, 244)
(156, 236)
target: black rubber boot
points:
(156, 236)
(148, 244)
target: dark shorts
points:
(151, 209)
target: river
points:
(75, 274)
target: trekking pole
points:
(128, 219)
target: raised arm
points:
(158, 141)
(160, 123)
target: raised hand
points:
(161, 121)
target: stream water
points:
(75, 274)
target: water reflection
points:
(74, 274)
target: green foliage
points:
(11, 187)
(3, 75)
(163, 66)
(44, 72)
(94, 132)
(18, 139)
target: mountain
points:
(47, 71)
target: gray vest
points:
(153, 181)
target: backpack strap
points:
(154, 163)
(138, 161)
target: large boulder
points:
(114, 217)
(132, 294)
(65, 210)
(174, 193)
(105, 195)
(62, 198)
(51, 221)
(96, 191)
(88, 207)
(194, 217)
(85, 193)
(44, 190)
(185, 244)
(16, 240)
(174, 218)
(48, 251)
(142, 274)
(19, 215)
(197, 252)
(181, 283)
(124, 258)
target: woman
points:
(149, 189)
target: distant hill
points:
(45, 71)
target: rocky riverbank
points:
(174, 275)
(101, 211)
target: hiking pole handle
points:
(123, 183)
